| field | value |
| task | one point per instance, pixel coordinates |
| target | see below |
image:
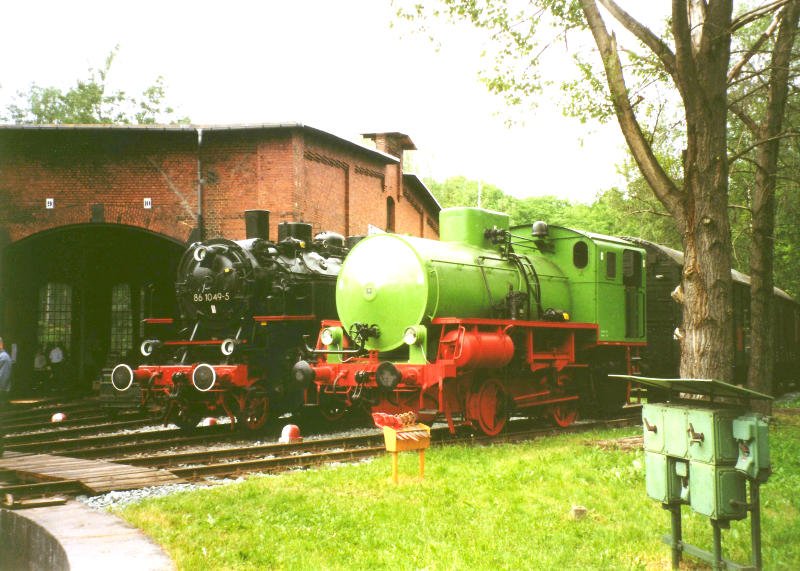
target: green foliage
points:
(90, 101)
(498, 507)
(636, 213)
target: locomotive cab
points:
(605, 276)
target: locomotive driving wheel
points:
(488, 406)
(332, 410)
(564, 413)
(186, 418)
(255, 413)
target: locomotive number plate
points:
(200, 297)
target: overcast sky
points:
(335, 65)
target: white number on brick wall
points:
(148, 203)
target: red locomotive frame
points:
(483, 370)
(231, 387)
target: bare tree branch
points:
(663, 187)
(748, 121)
(755, 47)
(757, 144)
(748, 17)
(685, 64)
(644, 34)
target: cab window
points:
(632, 268)
(611, 265)
(580, 255)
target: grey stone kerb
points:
(74, 536)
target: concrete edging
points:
(74, 536)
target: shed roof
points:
(677, 257)
(414, 182)
(104, 127)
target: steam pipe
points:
(200, 182)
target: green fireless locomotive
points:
(488, 321)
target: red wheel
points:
(488, 407)
(256, 410)
(565, 413)
(332, 410)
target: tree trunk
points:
(762, 362)
(699, 69)
(702, 49)
(707, 331)
(762, 247)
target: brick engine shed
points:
(94, 218)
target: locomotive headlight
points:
(228, 346)
(331, 336)
(415, 335)
(148, 346)
(122, 377)
(200, 253)
(204, 377)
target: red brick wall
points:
(368, 200)
(78, 170)
(324, 205)
(296, 174)
(230, 183)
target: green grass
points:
(501, 507)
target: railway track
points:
(281, 457)
(235, 461)
(36, 415)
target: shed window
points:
(611, 265)
(121, 320)
(390, 214)
(580, 254)
(54, 326)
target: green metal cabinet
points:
(717, 492)
(666, 478)
(676, 442)
(752, 435)
(710, 435)
(705, 453)
(653, 423)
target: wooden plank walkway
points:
(97, 476)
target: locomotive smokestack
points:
(256, 223)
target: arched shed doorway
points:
(85, 287)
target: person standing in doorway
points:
(5, 374)
(41, 371)
(56, 358)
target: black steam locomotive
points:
(244, 307)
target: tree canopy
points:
(91, 101)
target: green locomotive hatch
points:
(386, 280)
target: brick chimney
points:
(393, 144)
